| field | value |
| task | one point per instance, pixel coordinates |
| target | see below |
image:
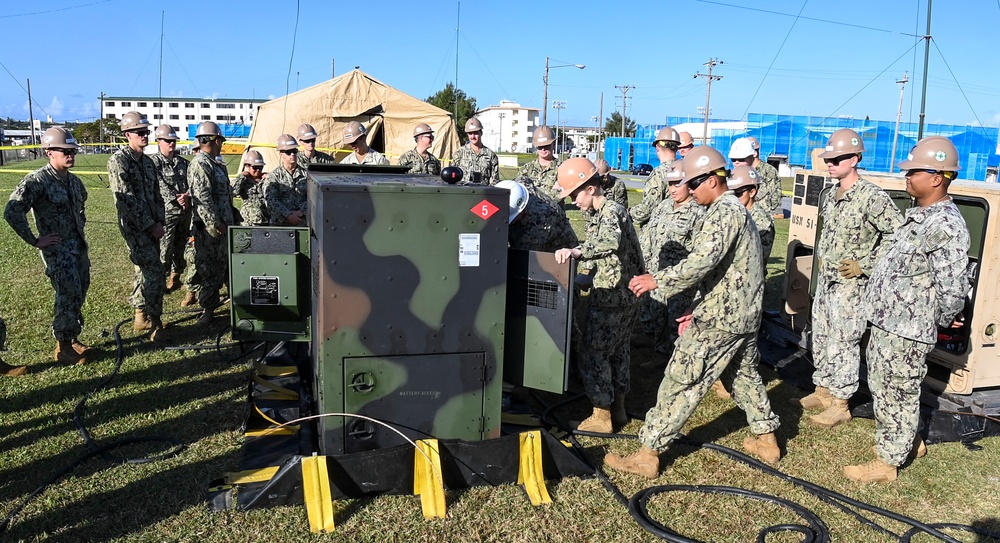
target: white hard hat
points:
(518, 198)
(741, 148)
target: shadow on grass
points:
(161, 492)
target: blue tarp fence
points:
(795, 136)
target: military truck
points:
(965, 363)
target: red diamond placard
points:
(484, 210)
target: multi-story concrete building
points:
(181, 112)
(508, 126)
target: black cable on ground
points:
(815, 530)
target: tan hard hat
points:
(603, 167)
(667, 133)
(208, 128)
(573, 173)
(353, 131)
(932, 153)
(542, 137)
(166, 132)
(133, 120)
(306, 132)
(58, 137)
(742, 176)
(703, 160)
(754, 143)
(421, 129)
(473, 125)
(253, 158)
(676, 172)
(685, 139)
(286, 142)
(844, 142)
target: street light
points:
(559, 105)
(545, 95)
(500, 145)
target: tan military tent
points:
(389, 115)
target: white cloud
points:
(55, 108)
(212, 96)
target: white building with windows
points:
(507, 127)
(182, 112)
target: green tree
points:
(447, 98)
(91, 132)
(613, 126)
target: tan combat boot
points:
(141, 321)
(645, 462)
(764, 446)
(67, 354)
(820, 399)
(619, 417)
(12, 371)
(599, 422)
(919, 449)
(173, 282)
(83, 350)
(158, 335)
(190, 298)
(875, 471)
(835, 415)
(720, 390)
(206, 317)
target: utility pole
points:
(500, 145)
(333, 72)
(31, 117)
(923, 93)
(100, 121)
(600, 125)
(712, 63)
(624, 89)
(899, 114)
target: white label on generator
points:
(468, 250)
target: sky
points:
(825, 58)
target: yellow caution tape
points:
(250, 476)
(428, 482)
(273, 371)
(278, 392)
(530, 473)
(319, 500)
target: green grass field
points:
(200, 400)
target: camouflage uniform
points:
(616, 190)
(58, 208)
(373, 157)
(667, 240)
(418, 164)
(319, 157)
(541, 226)
(543, 178)
(251, 191)
(769, 190)
(765, 228)
(485, 163)
(918, 285)
(132, 176)
(213, 213)
(724, 265)
(854, 228)
(654, 193)
(171, 176)
(613, 256)
(285, 192)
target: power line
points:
(291, 57)
(936, 48)
(809, 18)
(53, 10)
(773, 60)
(25, 91)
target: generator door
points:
(539, 319)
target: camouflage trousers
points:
(896, 367)
(69, 273)
(3, 335)
(837, 327)
(148, 284)
(211, 267)
(702, 355)
(176, 230)
(603, 353)
(188, 276)
(660, 321)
